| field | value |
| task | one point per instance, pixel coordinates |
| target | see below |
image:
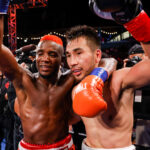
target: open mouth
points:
(45, 67)
(76, 72)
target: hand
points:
(87, 95)
(121, 11)
(4, 6)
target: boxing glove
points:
(121, 11)
(4, 6)
(108, 5)
(96, 10)
(88, 94)
(130, 15)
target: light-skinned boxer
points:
(112, 128)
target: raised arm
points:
(128, 13)
(138, 76)
(146, 48)
(8, 64)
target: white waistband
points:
(85, 147)
(64, 147)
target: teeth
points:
(76, 71)
(45, 66)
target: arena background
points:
(56, 18)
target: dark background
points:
(60, 15)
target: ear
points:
(98, 55)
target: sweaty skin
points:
(44, 110)
(113, 128)
(44, 101)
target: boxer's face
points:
(48, 58)
(80, 58)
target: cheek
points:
(68, 62)
(56, 62)
(87, 63)
(86, 60)
(37, 62)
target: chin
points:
(45, 76)
(78, 79)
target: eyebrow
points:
(75, 50)
(41, 50)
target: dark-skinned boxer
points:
(43, 100)
(44, 104)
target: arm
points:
(88, 94)
(146, 48)
(8, 64)
(138, 76)
(109, 64)
(130, 14)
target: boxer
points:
(111, 128)
(43, 101)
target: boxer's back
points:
(113, 128)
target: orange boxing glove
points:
(87, 95)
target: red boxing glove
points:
(87, 95)
(139, 27)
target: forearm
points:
(138, 76)
(109, 64)
(8, 64)
(146, 48)
(1, 30)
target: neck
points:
(47, 80)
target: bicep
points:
(8, 64)
(138, 76)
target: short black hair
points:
(83, 31)
(135, 49)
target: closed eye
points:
(39, 53)
(53, 54)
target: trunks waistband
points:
(85, 147)
(65, 144)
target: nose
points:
(73, 61)
(45, 57)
